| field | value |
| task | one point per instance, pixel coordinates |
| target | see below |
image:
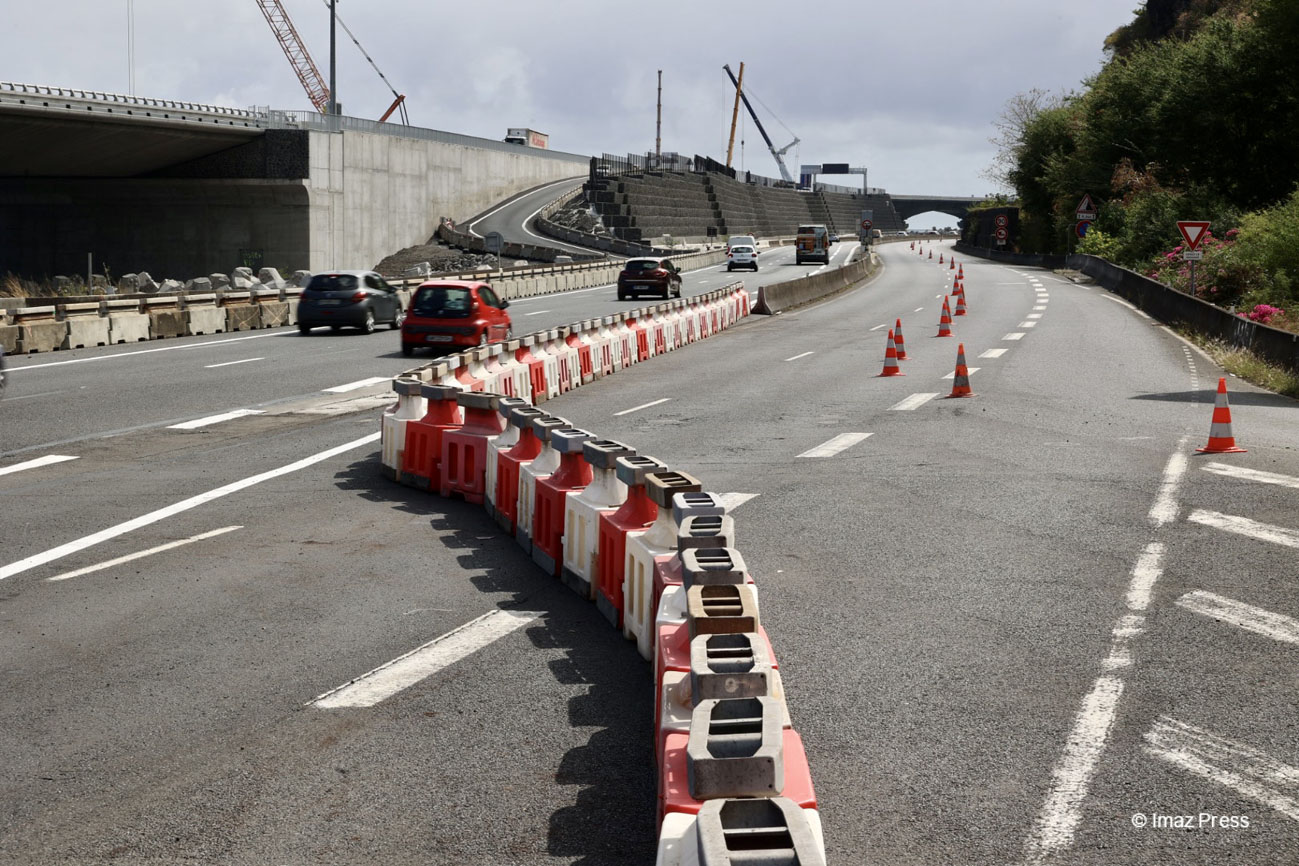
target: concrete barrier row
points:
(107, 322)
(648, 546)
(777, 297)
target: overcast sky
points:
(908, 89)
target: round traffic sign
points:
(1002, 234)
(1082, 227)
(866, 225)
(1001, 220)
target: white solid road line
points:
(356, 386)
(90, 569)
(994, 353)
(214, 419)
(1277, 626)
(1244, 526)
(202, 345)
(171, 510)
(732, 501)
(1252, 475)
(1145, 574)
(804, 355)
(915, 401)
(1014, 336)
(422, 662)
(641, 406)
(1053, 832)
(1164, 509)
(1247, 771)
(842, 442)
(231, 363)
(47, 460)
(536, 313)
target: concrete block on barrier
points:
(705, 531)
(126, 324)
(730, 666)
(736, 749)
(773, 831)
(85, 326)
(166, 319)
(717, 566)
(721, 609)
(696, 504)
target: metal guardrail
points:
(19, 88)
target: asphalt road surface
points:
(1033, 626)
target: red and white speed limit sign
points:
(866, 225)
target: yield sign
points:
(1193, 231)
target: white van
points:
(741, 241)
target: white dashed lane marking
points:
(1276, 626)
(840, 443)
(47, 460)
(641, 406)
(231, 363)
(913, 402)
(994, 353)
(171, 545)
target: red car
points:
(449, 314)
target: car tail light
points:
(357, 297)
(730, 255)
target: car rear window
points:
(742, 249)
(442, 302)
(641, 267)
(332, 283)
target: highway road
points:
(513, 217)
(1033, 626)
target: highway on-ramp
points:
(1032, 626)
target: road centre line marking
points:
(842, 442)
(641, 406)
(1015, 336)
(915, 401)
(1244, 526)
(422, 662)
(732, 501)
(214, 419)
(1027, 325)
(176, 508)
(1247, 771)
(1039, 307)
(1164, 509)
(1262, 622)
(920, 309)
(141, 554)
(47, 460)
(1034, 316)
(1252, 475)
(231, 363)
(1071, 777)
(1145, 573)
(536, 312)
(356, 386)
(970, 370)
(994, 353)
(880, 327)
(804, 355)
(151, 351)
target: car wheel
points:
(729, 269)
(398, 319)
(622, 296)
(368, 325)
(407, 350)
(304, 330)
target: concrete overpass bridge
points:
(181, 189)
(908, 206)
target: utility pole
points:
(333, 97)
(658, 125)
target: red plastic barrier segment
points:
(423, 454)
(464, 454)
(573, 475)
(585, 363)
(637, 513)
(674, 783)
(508, 464)
(536, 372)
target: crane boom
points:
(294, 49)
(780, 162)
(735, 113)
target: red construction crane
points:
(312, 81)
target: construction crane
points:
(307, 71)
(778, 154)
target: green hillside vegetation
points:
(1195, 115)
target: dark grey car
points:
(349, 299)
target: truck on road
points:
(527, 137)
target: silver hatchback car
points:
(351, 299)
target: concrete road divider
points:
(779, 297)
(773, 831)
(570, 478)
(166, 319)
(241, 313)
(204, 316)
(582, 513)
(126, 324)
(716, 566)
(86, 327)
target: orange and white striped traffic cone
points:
(891, 367)
(1220, 439)
(931, 254)
(961, 381)
(945, 321)
(960, 272)
(913, 245)
(952, 266)
(901, 344)
(960, 301)
(940, 258)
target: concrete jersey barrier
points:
(794, 293)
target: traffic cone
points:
(940, 258)
(913, 245)
(960, 302)
(960, 272)
(931, 254)
(961, 381)
(952, 266)
(1220, 439)
(897, 338)
(945, 321)
(891, 367)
